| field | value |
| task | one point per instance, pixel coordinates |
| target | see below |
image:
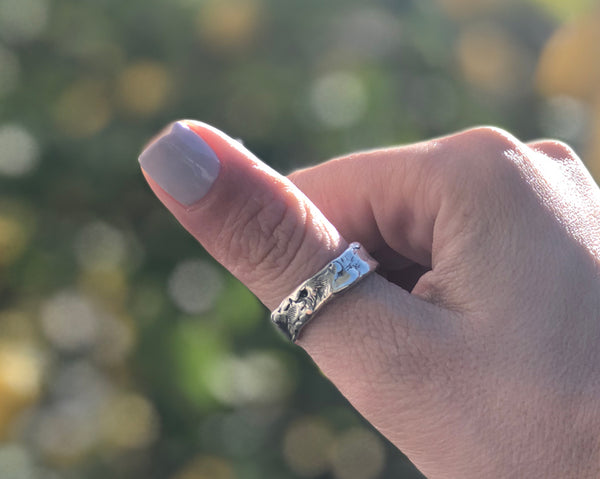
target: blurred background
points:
(126, 352)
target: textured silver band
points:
(340, 274)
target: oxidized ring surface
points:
(340, 274)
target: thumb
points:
(267, 233)
(249, 218)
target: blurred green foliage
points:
(125, 351)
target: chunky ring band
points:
(340, 274)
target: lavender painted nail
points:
(182, 164)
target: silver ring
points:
(340, 274)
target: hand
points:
(489, 366)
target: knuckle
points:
(556, 149)
(488, 182)
(490, 138)
(490, 150)
(482, 160)
(265, 233)
(493, 152)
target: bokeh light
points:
(23, 20)
(21, 368)
(65, 433)
(71, 424)
(13, 238)
(369, 33)
(70, 321)
(258, 378)
(307, 447)
(566, 10)
(144, 88)
(83, 108)
(108, 287)
(491, 60)
(229, 24)
(116, 340)
(206, 467)
(339, 99)
(19, 150)
(194, 285)
(130, 422)
(566, 119)
(100, 246)
(81, 380)
(358, 454)
(569, 62)
(16, 462)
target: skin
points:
(487, 365)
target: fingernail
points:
(182, 164)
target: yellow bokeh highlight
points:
(109, 286)
(13, 239)
(20, 380)
(307, 447)
(570, 62)
(144, 88)
(206, 467)
(564, 9)
(130, 422)
(229, 24)
(358, 454)
(570, 65)
(490, 59)
(116, 340)
(83, 109)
